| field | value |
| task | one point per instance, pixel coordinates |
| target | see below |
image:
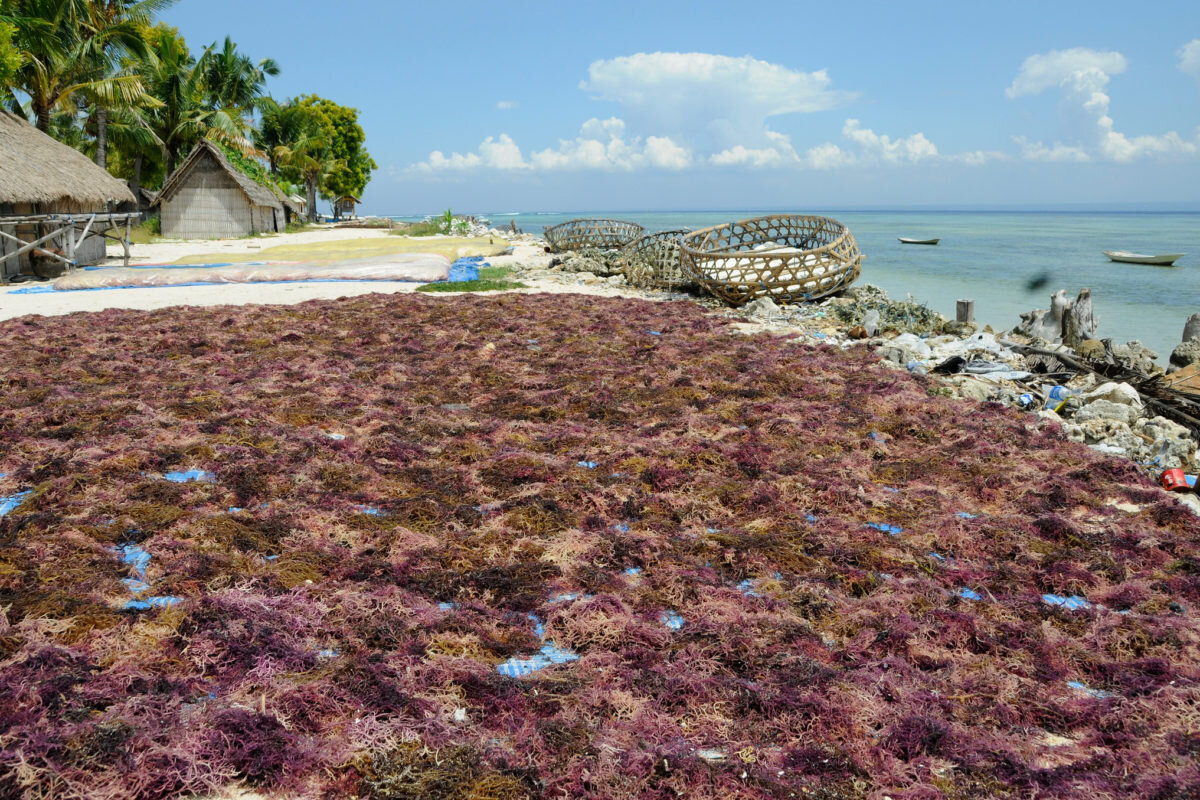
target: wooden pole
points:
(965, 311)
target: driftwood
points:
(1177, 406)
(1067, 321)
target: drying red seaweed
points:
(531, 546)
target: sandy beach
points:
(166, 252)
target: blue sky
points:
(563, 106)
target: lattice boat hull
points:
(790, 258)
(598, 234)
(653, 261)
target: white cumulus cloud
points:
(506, 105)
(873, 146)
(1061, 67)
(1189, 58)
(601, 145)
(710, 101)
(1082, 76)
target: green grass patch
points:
(481, 285)
(494, 273)
(146, 232)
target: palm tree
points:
(177, 81)
(61, 54)
(116, 31)
(235, 84)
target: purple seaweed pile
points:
(549, 547)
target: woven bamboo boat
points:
(652, 261)
(788, 257)
(599, 234)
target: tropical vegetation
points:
(110, 79)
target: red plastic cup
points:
(1174, 480)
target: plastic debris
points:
(328, 653)
(9, 503)
(189, 475)
(654, 333)
(622, 527)
(586, 464)
(136, 557)
(447, 606)
(709, 754)
(337, 437)
(746, 587)
(672, 620)
(1080, 686)
(969, 594)
(937, 556)
(893, 530)
(550, 654)
(967, 515)
(372, 510)
(633, 571)
(1072, 603)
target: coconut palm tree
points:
(177, 81)
(235, 84)
(61, 54)
(116, 31)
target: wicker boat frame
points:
(598, 234)
(653, 261)
(787, 257)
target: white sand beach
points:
(59, 303)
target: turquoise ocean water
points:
(992, 257)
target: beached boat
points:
(918, 241)
(1137, 258)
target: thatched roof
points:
(35, 168)
(258, 194)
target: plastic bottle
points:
(1025, 400)
(917, 368)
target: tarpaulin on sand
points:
(418, 267)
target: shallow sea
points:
(993, 257)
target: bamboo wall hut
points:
(208, 197)
(40, 176)
(346, 207)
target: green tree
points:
(116, 31)
(183, 116)
(61, 66)
(305, 152)
(236, 85)
(10, 58)
(351, 163)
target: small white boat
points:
(1138, 258)
(918, 241)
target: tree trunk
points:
(310, 184)
(43, 119)
(102, 137)
(136, 182)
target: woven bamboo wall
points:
(209, 205)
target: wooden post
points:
(965, 311)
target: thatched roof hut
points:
(210, 197)
(39, 175)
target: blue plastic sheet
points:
(549, 654)
(969, 594)
(9, 503)
(190, 475)
(672, 620)
(1072, 603)
(466, 269)
(893, 530)
(1080, 686)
